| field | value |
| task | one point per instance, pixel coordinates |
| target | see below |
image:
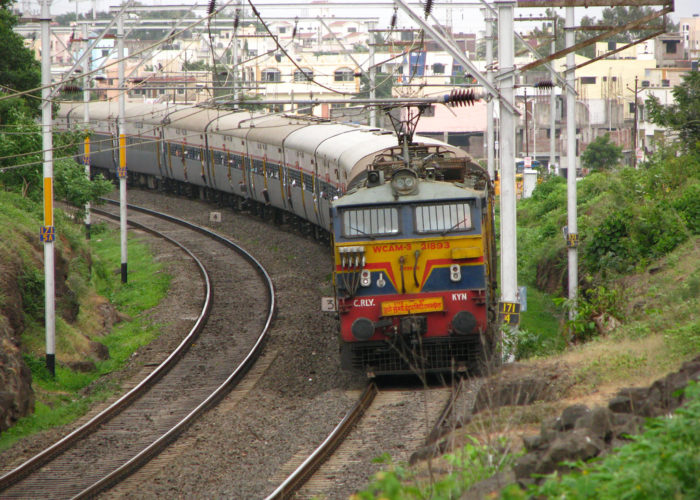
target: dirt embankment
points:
(22, 303)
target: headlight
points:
(404, 182)
(362, 329)
(463, 323)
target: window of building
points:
(271, 75)
(671, 46)
(588, 80)
(439, 69)
(282, 30)
(306, 74)
(352, 30)
(344, 75)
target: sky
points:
(465, 20)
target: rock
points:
(572, 446)
(627, 425)
(599, 421)
(525, 466)
(549, 429)
(16, 396)
(533, 443)
(489, 488)
(570, 415)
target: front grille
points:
(432, 355)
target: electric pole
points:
(122, 146)
(48, 233)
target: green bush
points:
(656, 230)
(609, 246)
(688, 207)
(31, 288)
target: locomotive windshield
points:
(443, 217)
(370, 221)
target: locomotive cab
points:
(412, 274)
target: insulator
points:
(461, 97)
(212, 7)
(428, 8)
(237, 19)
(357, 74)
(544, 84)
(72, 88)
(294, 31)
(393, 20)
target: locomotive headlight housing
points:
(365, 278)
(404, 182)
(362, 329)
(455, 273)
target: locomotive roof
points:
(427, 191)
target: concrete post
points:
(572, 236)
(48, 231)
(86, 122)
(490, 118)
(509, 267)
(122, 147)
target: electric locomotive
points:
(415, 264)
(411, 222)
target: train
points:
(409, 218)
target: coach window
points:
(370, 221)
(443, 217)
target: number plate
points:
(412, 306)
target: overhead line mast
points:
(48, 231)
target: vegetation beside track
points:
(87, 283)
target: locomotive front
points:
(414, 272)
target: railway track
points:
(193, 378)
(369, 428)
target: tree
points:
(383, 85)
(19, 70)
(683, 115)
(619, 16)
(616, 16)
(601, 154)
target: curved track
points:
(193, 378)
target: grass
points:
(70, 394)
